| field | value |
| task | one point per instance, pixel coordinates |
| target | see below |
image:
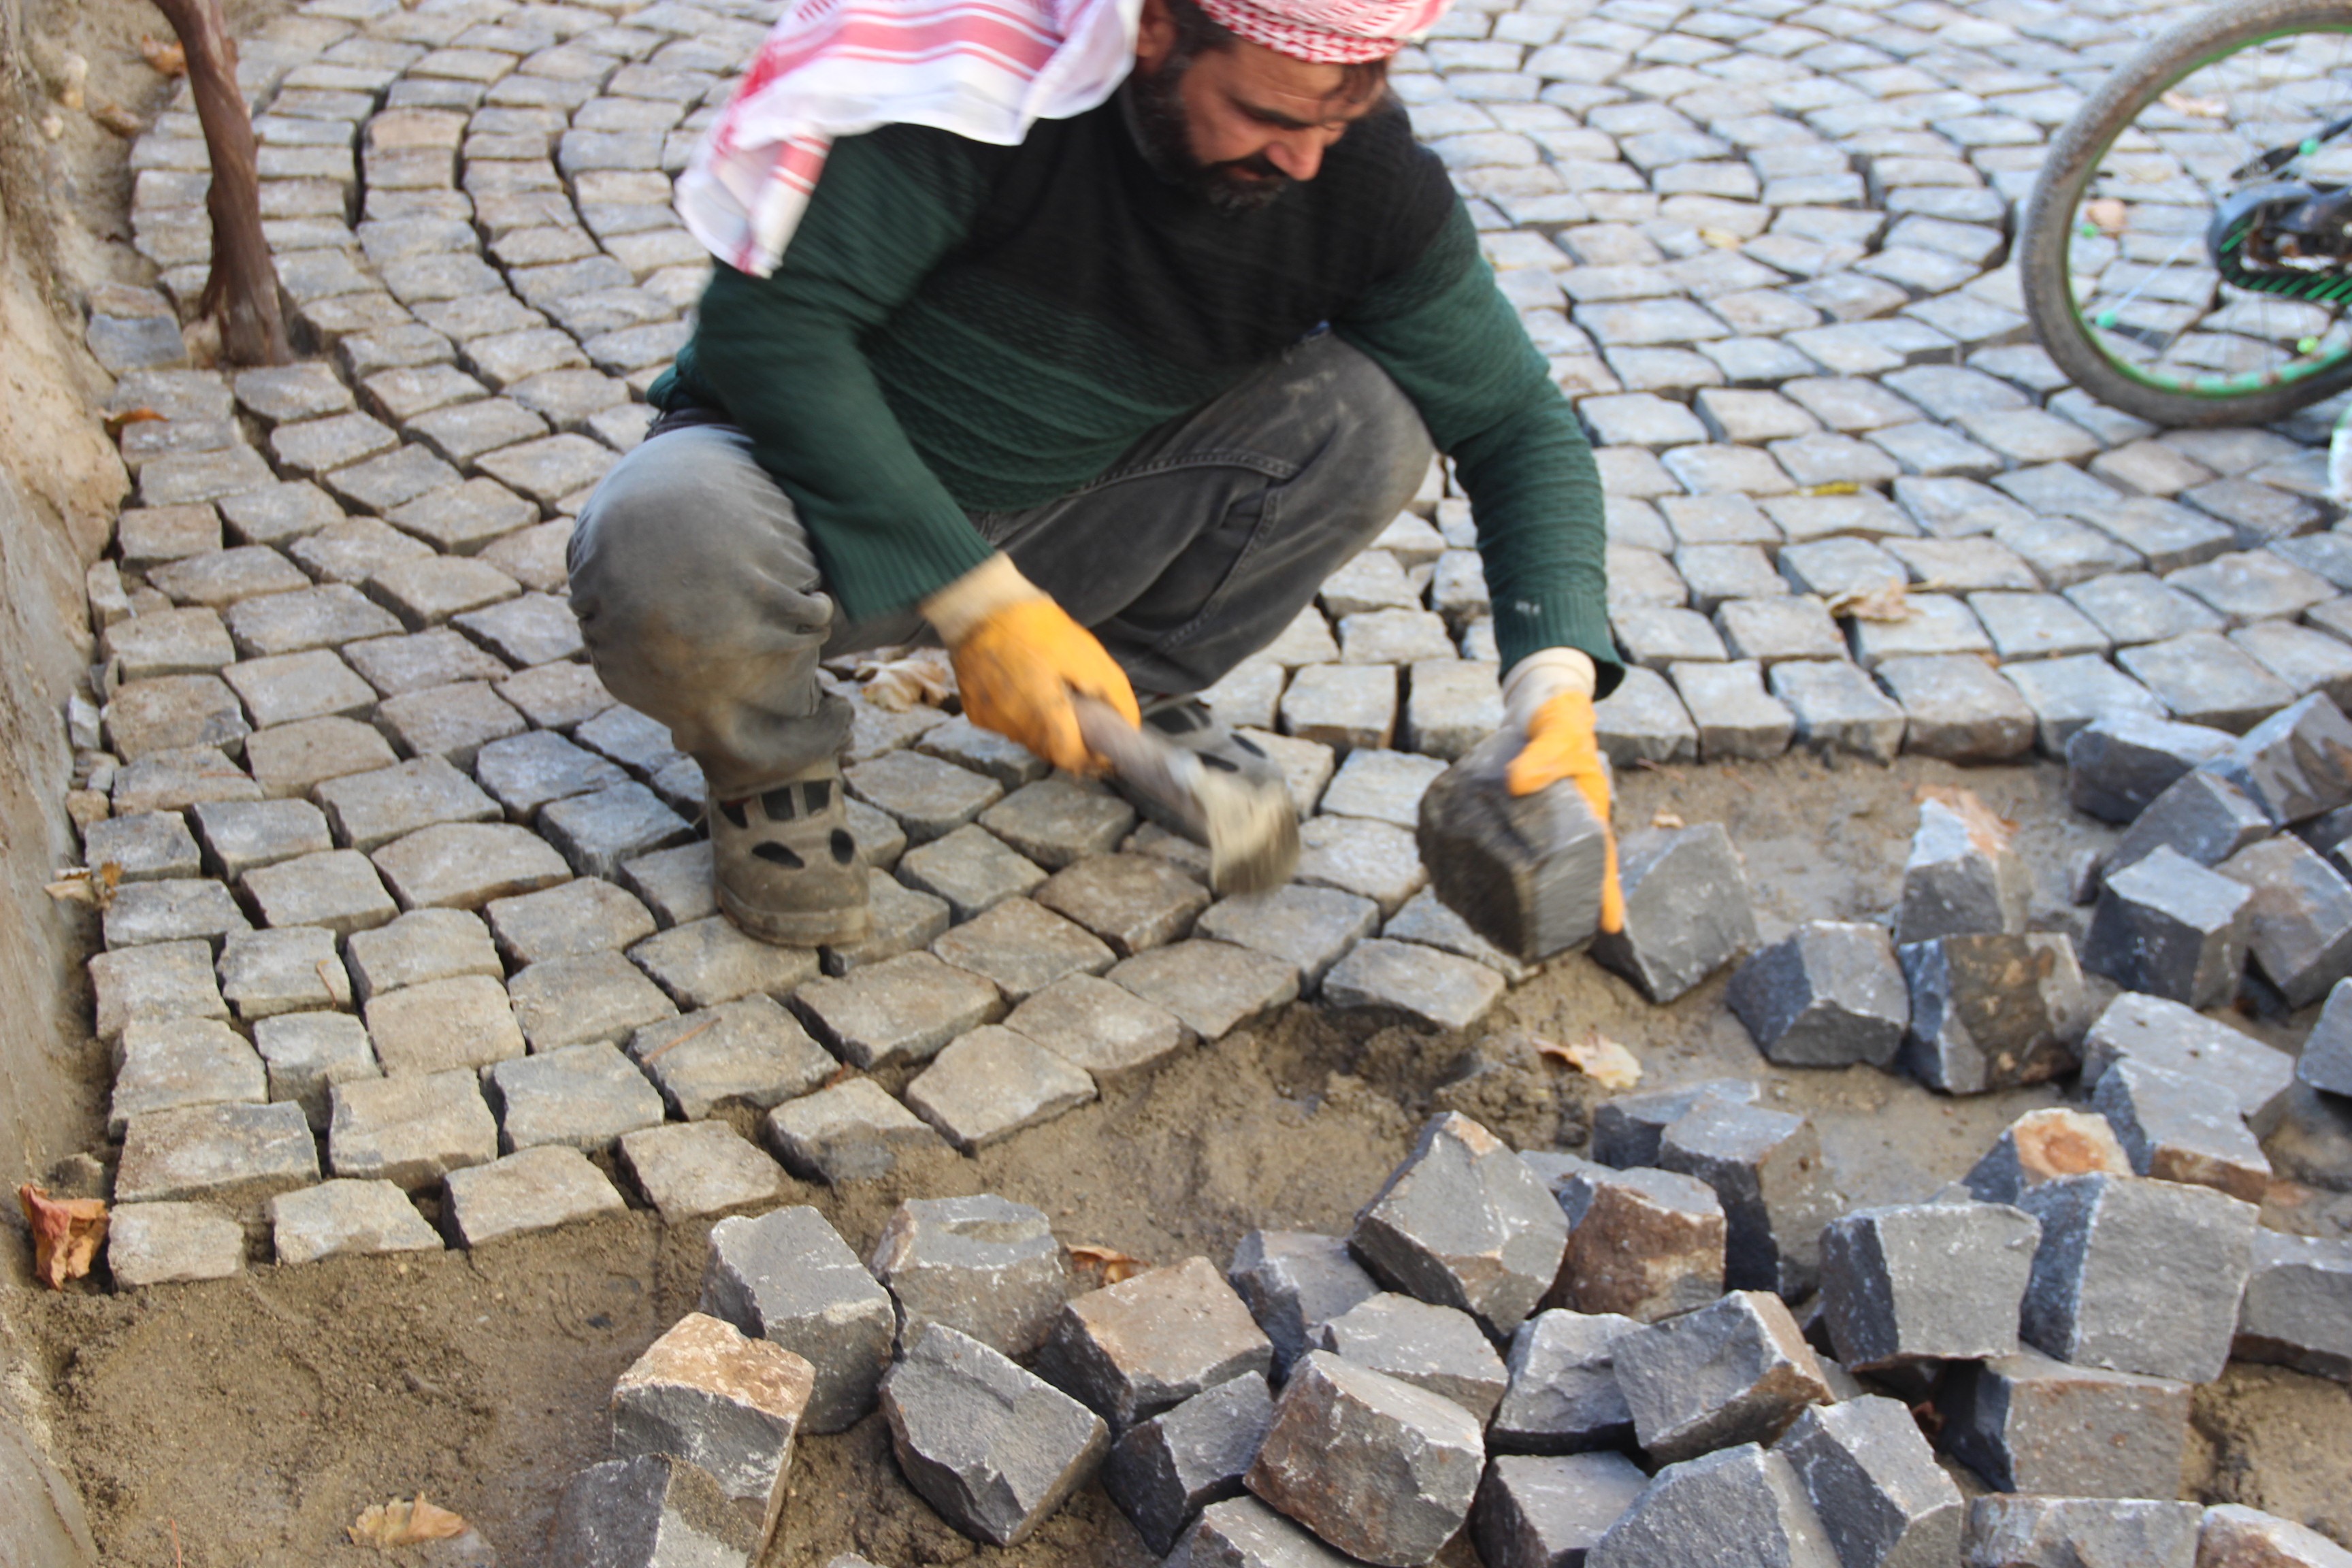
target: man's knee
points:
(1378, 441)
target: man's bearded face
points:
(1234, 186)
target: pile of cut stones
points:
(1575, 1362)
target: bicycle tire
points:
(2073, 158)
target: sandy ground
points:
(261, 1415)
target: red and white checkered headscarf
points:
(987, 70)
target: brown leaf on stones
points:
(1887, 602)
(96, 887)
(1598, 1057)
(66, 1233)
(1666, 819)
(1114, 1265)
(117, 423)
(895, 685)
(1988, 830)
(1835, 488)
(1720, 238)
(168, 60)
(119, 119)
(2108, 214)
(398, 1523)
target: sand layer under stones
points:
(262, 1413)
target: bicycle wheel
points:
(2116, 264)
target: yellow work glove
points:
(1018, 657)
(1549, 696)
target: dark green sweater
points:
(958, 326)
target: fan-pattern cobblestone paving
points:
(373, 817)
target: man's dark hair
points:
(1198, 33)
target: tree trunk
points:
(242, 293)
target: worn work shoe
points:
(1186, 722)
(786, 867)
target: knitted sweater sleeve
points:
(1446, 335)
(782, 356)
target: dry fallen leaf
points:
(1720, 238)
(118, 422)
(2108, 213)
(119, 119)
(398, 1523)
(96, 888)
(2196, 108)
(1113, 1264)
(1598, 1057)
(1667, 820)
(168, 60)
(1988, 830)
(66, 1233)
(1888, 602)
(895, 685)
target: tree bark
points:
(242, 292)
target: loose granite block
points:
(1024, 948)
(787, 1276)
(168, 1242)
(343, 1217)
(2168, 926)
(1732, 1372)
(1767, 1168)
(1435, 1348)
(2028, 1424)
(1936, 1281)
(1464, 1223)
(989, 1084)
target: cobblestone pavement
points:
(372, 814)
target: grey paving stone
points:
(295, 687)
(235, 1155)
(1734, 717)
(177, 910)
(290, 759)
(2026, 1422)
(2040, 1529)
(2299, 919)
(1627, 1130)
(452, 722)
(707, 962)
(1836, 707)
(1657, 637)
(1961, 878)
(169, 1064)
(2136, 1275)
(556, 696)
(421, 946)
(1213, 986)
(1643, 720)
(166, 980)
(1355, 855)
(2200, 817)
(306, 1054)
(396, 666)
(587, 999)
(1132, 901)
(1714, 573)
(1341, 705)
(531, 770)
(1742, 1502)
(2297, 764)
(1735, 1371)
(180, 777)
(902, 1009)
(967, 745)
(1958, 709)
(747, 1051)
(347, 552)
(173, 711)
(2305, 660)
(687, 1169)
(1828, 995)
(2165, 1034)
(1374, 1467)
(291, 970)
(462, 1021)
(2252, 585)
(2168, 926)
(1383, 785)
(1643, 1243)
(1774, 630)
(342, 1218)
(2171, 1127)
(1766, 1168)
(1535, 1511)
(144, 846)
(529, 630)
(2118, 765)
(585, 915)
(650, 1508)
(2326, 1059)
(900, 921)
(1992, 1010)
(1439, 989)
(983, 1266)
(1563, 1395)
(929, 797)
(1939, 1281)
(2294, 1313)
(851, 1131)
(584, 1097)
(971, 868)
(2069, 694)
(168, 1242)
(1104, 1029)
(1294, 1282)
(169, 642)
(787, 1276)
(536, 1189)
(2168, 535)
(1874, 1483)
(991, 1446)
(1464, 1223)
(676, 883)
(1163, 1472)
(464, 865)
(987, 1085)
(1439, 1349)
(719, 1401)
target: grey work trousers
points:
(703, 606)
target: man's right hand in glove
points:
(1018, 660)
